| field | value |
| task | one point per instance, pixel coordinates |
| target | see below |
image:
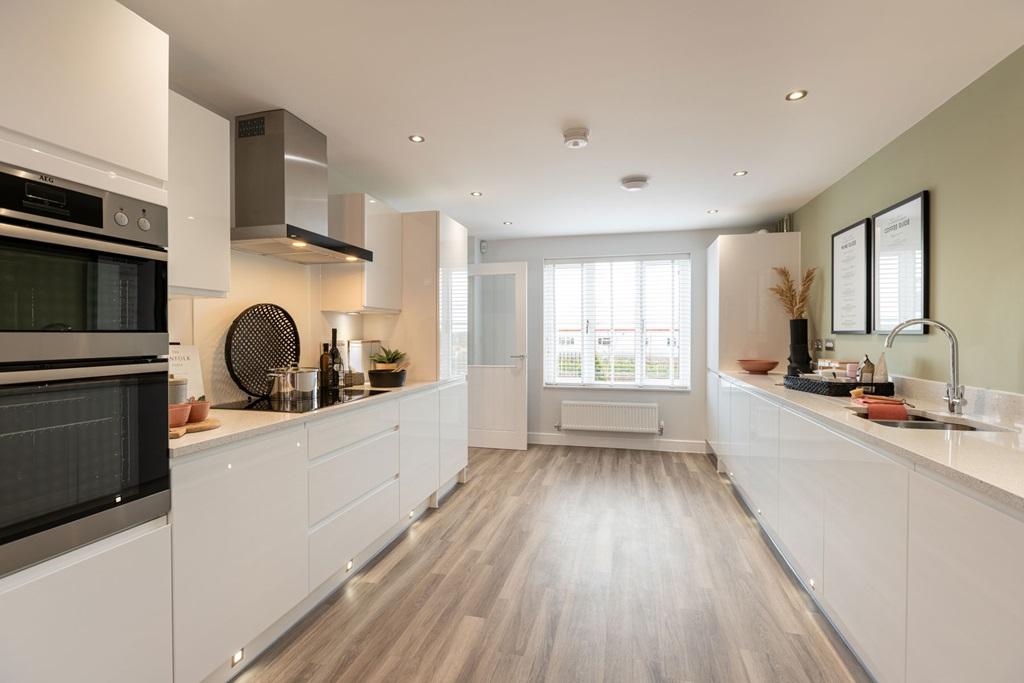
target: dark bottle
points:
(325, 367)
(336, 365)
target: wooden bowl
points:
(758, 367)
(177, 414)
(200, 411)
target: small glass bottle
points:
(337, 367)
(325, 367)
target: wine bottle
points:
(325, 367)
(336, 364)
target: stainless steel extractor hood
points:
(281, 191)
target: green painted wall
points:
(969, 153)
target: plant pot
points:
(799, 353)
(177, 414)
(385, 366)
(386, 379)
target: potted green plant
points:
(387, 359)
(389, 368)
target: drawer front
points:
(330, 434)
(339, 540)
(351, 472)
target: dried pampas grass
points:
(795, 302)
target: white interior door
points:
(497, 355)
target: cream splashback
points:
(256, 279)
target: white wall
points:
(681, 411)
(256, 279)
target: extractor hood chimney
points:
(281, 191)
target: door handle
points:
(518, 356)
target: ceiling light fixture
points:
(740, 174)
(575, 138)
(711, 212)
(299, 243)
(796, 95)
(507, 223)
(417, 138)
(476, 194)
(635, 183)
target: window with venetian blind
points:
(618, 322)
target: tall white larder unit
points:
(745, 320)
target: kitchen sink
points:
(922, 422)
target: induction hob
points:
(325, 400)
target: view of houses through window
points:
(618, 321)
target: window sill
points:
(604, 387)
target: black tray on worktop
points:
(823, 388)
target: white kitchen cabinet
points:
(739, 438)
(340, 538)
(432, 327)
(87, 100)
(198, 200)
(453, 406)
(342, 477)
(865, 553)
(966, 597)
(419, 466)
(744, 320)
(763, 460)
(802, 448)
(725, 389)
(100, 613)
(711, 411)
(375, 286)
(240, 519)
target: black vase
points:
(799, 354)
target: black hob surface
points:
(325, 400)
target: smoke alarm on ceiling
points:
(635, 183)
(576, 137)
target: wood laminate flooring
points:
(571, 564)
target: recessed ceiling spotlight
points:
(796, 95)
(507, 223)
(476, 194)
(372, 200)
(634, 183)
(417, 138)
(711, 211)
(740, 174)
(575, 138)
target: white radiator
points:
(602, 416)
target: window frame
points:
(686, 357)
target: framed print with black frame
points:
(899, 283)
(851, 279)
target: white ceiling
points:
(686, 91)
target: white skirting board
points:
(598, 440)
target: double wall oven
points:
(83, 368)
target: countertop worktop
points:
(990, 464)
(237, 425)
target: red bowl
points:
(177, 414)
(758, 367)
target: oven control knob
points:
(144, 223)
(121, 218)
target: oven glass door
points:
(71, 297)
(77, 441)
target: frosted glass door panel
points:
(492, 299)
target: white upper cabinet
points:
(85, 87)
(199, 200)
(433, 325)
(375, 286)
(744, 318)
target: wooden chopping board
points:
(191, 427)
